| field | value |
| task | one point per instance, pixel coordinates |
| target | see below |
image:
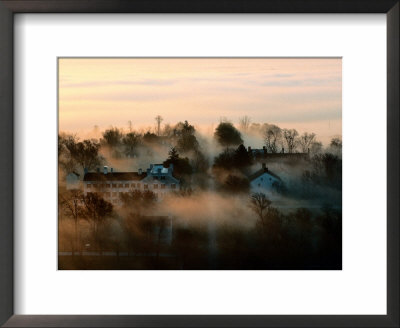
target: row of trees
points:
(275, 138)
(300, 239)
(91, 208)
(133, 217)
(74, 154)
(182, 137)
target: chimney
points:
(148, 171)
(264, 167)
(171, 168)
(140, 171)
(159, 171)
(98, 170)
(105, 169)
(111, 170)
(85, 170)
(249, 149)
(283, 150)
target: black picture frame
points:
(10, 7)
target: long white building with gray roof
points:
(110, 184)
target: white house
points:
(265, 181)
(111, 184)
(160, 180)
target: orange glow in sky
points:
(305, 94)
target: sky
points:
(305, 94)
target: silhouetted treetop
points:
(242, 158)
(227, 135)
(131, 141)
(185, 137)
(150, 138)
(112, 137)
(181, 165)
(84, 153)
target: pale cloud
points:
(302, 92)
(117, 83)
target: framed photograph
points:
(199, 164)
(181, 186)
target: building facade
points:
(265, 181)
(111, 184)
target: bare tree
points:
(259, 203)
(168, 131)
(85, 153)
(244, 123)
(336, 146)
(273, 135)
(158, 119)
(72, 203)
(305, 141)
(316, 147)
(336, 143)
(291, 138)
(96, 211)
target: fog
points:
(208, 223)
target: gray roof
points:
(260, 172)
(114, 176)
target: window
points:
(102, 185)
(173, 186)
(155, 186)
(115, 194)
(126, 185)
(138, 186)
(162, 177)
(114, 185)
(132, 185)
(89, 185)
(115, 201)
(262, 179)
(163, 186)
(108, 185)
(259, 185)
(270, 179)
(146, 186)
(155, 178)
(94, 185)
(120, 185)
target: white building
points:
(160, 180)
(111, 184)
(265, 181)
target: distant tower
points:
(158, 119)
